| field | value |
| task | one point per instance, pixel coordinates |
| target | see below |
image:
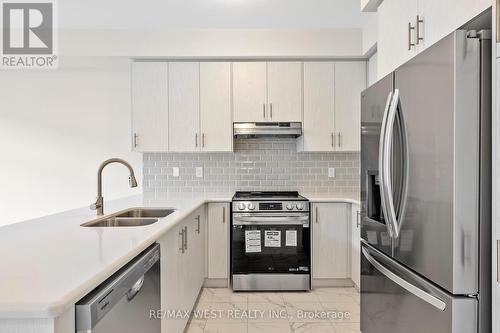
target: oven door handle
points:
(274, 220)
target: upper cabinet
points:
(184, 106)
(181, 106)
(396, 41)
(350, 81)
(319, 106)
(266, 92)
(332, 106)
(284, 87)
(149, 106)
(250, 92)
(407, 27)
(215, 106)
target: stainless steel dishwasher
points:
(125, 302)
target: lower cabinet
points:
(218, 241)
(182, 269)
(331, 243)
(355, 245)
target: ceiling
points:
(223, 14)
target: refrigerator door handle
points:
(390, 211)
(381, 164)
(422, 294)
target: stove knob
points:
(241, 206)
(289, 206)
(251, 206)
(300, 206)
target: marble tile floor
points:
(324, 310)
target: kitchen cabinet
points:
(218, 241)
(331, 243)
(184, 106)
(332, 106)
(149, 106)
(215, 106)
(350, 81)
(355, 244)
(284, 85)
(182, 268)
(319, 106)
(266, 92)
(394, 34)
(249, 91)
(407, 27)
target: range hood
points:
(255, 130)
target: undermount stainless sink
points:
(132, 217)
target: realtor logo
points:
(28, 34)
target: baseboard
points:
(325, 283)
(216, 283)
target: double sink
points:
(132, 217)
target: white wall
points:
(370, 30)
(225, 43)
(56, 127)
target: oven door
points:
(265, 243)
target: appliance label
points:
(252, 241)
(291, 238)
(272, 238)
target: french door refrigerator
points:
(426, 192)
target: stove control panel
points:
(270, 206)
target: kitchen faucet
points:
(99, 203)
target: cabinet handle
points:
(358, 213)
(340, 139)
(136, 136)
(196, 140)
(271, 110)
(203, 140)
(410, 28)
(224, 214)
(198, 227)
(316, 215)
(264, 110)
(419, 21)
(332, 140)
(186, 238)
(182, 241)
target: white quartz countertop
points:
(49, 263)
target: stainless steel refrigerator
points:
(426, 192)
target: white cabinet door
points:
(250, 92)
(350, 81)
(149, 106)
(442, 17)
(355, 245)
(319, 106)
(330, 241)
(284, 88)
(218, 240)
(393, 33)
(184, 106)
(173, 282)
(215, 106)
(195, 257)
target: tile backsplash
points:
(256, 164)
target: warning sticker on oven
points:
(252, 241)
(272, 238)
(291, 238)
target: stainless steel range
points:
(270, 241)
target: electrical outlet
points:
(175, 171)
(331, 172)
(199, 172)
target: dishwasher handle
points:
(126, 282)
